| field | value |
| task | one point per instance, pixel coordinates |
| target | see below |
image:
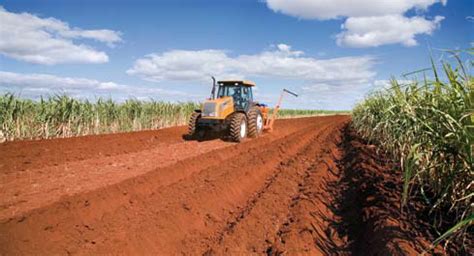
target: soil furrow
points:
(141, 216)
(255, 231)
(37, 187)
(310, 227)
(308, 188)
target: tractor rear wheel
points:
(238, 127)
(255, 122)
(192, 124)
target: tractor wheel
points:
(238, 127)
(255, 122)
(192, 124)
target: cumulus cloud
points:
(389, 29)
(279, 62)
(181, 65)
(53, 82)
(387, 84)
(35, 85)
(336, 80)
(341, 97)
(325, 10)
(49, 41)
(344, 96)
(369, 23)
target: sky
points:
(331, 53)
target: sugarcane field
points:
(272, 127)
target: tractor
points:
(232, 109)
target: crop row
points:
(63, 116)
(427, 126)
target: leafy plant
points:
(428, 127)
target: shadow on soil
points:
(208, 136)
(367, 205)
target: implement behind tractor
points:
(234, 111)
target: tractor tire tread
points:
(253, 131)
(235, 123)
(192, 124)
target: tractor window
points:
(235, 92)
(247, 93)
(227, 90)
(246, 97)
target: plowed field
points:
(306, 188)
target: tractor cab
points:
(240, 91)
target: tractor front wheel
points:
(238, 127)
(192, 124)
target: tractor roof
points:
(242, 82)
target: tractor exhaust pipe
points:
(213, 91)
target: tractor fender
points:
(229, 117)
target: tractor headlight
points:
(209, 109)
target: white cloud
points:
(324, 83)
(381, 30)
(324, 9)
(53, 82)
(279, 62)
(49, 41)
(369, 22)
(382, 84)
(35, 85)
(387, 84)
(344, 96)
(181, 65)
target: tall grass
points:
(428, 127)
(63, 116)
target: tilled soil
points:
(303, 189)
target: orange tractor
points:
(232, 109)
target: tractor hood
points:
(218, 108)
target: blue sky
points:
(331, 54)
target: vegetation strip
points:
(62, 116)
(428, 127)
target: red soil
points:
(153, 192)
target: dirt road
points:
(155, 193)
